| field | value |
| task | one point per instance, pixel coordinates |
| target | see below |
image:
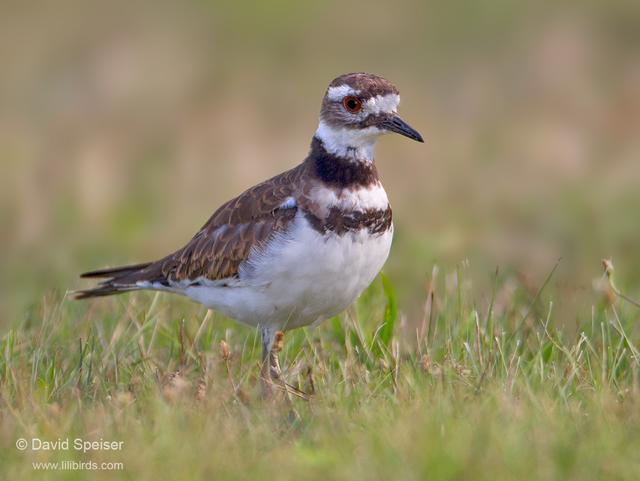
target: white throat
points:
(353, 144)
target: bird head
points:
(357, 109)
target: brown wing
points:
(221, 245)
(226, 240)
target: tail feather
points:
(115, 271)
(101, 291)
(119, 279)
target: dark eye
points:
(352, 104)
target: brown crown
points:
(370, 85)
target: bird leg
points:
(274, 362)
(271, 374)
(271, 345)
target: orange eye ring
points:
(352, 104)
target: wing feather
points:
(223, 243)
(226, 240)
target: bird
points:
(300, 247)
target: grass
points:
(477, 390)
(118, 137)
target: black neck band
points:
(338, 171)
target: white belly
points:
(300, 278)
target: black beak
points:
(393, 123)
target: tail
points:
(119, 279)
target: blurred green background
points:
(123, 125)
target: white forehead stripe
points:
(383, 103)
(336, 93)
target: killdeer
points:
(300, 247)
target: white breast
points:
(301, 277)
(312, 276)
(363, 198)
